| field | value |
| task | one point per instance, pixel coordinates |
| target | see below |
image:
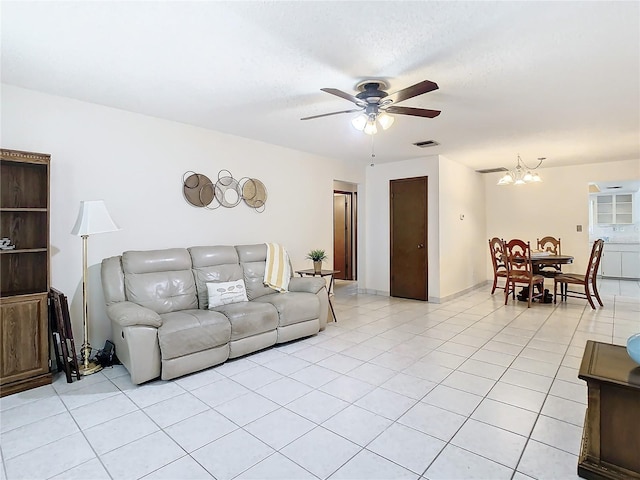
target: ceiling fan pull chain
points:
(373, 153)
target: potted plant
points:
(317, 256)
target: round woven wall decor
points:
(195, 191)
(254, 193)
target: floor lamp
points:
(93, 218)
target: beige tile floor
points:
(396, 389)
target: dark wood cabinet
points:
(611, 435)
(24, 271)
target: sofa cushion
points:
(293, 307)
(223, 293)
(160, 280)
(253, 259)
(249, 318)
(214, 264)
(191, 331)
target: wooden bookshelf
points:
(24, 271)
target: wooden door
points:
(342, 235)
(408, 208)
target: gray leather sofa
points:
(157, 301)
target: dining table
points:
(543, 259)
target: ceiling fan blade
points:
(416, 112)
(333, 113)
(413, 91)
(341, 94)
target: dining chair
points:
(520, 271)
(496, 247)
(588, 280)
(551, 245)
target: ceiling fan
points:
(375, 104)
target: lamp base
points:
(89, 369)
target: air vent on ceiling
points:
(426, 143)
(492, 170)
(613, 188)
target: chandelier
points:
(521, 174)
(366, 121)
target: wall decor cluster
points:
(227, 192)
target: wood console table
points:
(323, 273)
(611, 436)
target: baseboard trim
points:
(368, 291)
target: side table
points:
(323, 273)
(610, 439)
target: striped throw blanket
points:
(277, 271)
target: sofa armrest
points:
(306, 284)
(127, 314)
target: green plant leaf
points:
(317, 255)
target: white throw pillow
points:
(223, 293)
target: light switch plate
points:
(578, 228)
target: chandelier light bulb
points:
(521, 174)
(507, 179)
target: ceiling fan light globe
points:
(527, 177)
(360, 122)
(519, 181)
(370, 128)
(385, 120)
(536, 178)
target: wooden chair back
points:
(498, 257)
(594, 260)
(519, 260)
(550, 244)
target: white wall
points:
(377, 221)
(462, 240)
(136, 163)
(553, 207)
(456, 253)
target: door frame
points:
(354, 229)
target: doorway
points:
(345, 233)
(408, 225)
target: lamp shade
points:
(93, 218)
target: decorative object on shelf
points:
(226, 192)
(520, 176)
(633, 347)
(5, 244)
(318, 256)
(93, 218)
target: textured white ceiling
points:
(541, 79)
